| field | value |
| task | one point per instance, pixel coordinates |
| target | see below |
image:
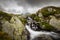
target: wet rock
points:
(43, 37)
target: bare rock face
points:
(55, 22)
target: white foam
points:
(34, 34)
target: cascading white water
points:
(34, 34)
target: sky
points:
(26, 6)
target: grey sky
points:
(23, 6)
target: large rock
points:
(45, 13)
(14, 28)
(49, 10)
(43, 37)
(12, 25)
(55, 22)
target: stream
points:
(34, 34)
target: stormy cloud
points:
(24, 6)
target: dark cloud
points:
(30, 2)
(35, 2)
(41, 2)
(27, 5)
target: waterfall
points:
(34, 34)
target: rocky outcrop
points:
(55, 22)
(50, 15)
(12, 25)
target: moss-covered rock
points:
(45, 14)
(5, 36)
(13, 25)
(42, 23)
(5, 16)
(47, 26)
(49, 10)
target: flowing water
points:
(34, 34)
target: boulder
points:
(11, 24)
